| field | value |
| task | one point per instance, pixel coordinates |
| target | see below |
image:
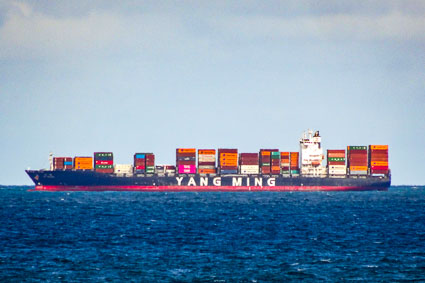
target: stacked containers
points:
(378, 159)
(170, 169)
(266, 160)
(295, 162)
(249, 163)
(285, 162)
(357, 160)
(186, 160)
(139, 163)
(206, 161)
(104, 162)
(62, 163)
(67, 163)
(336, 162)
(275, 162)
(228, 160)
(83, 163)
(150, 163)
(58, 163)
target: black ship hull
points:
(79, 180)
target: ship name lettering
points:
(271, 182)
(179, 181)
(236, 181)
(191, 182)
(217, 181)
(247, 181)
(258, 182)
(203, 181)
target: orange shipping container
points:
(83, 163)
(206, 171)
(186, 150)
(380, 147)
(228, 155)
(358, 168)
(379, 163)
(206, 151)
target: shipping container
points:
(83, 163)
(123, 169)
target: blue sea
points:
(212, 236)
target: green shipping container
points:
(357, 147)
(103, 154)
(285, 172)
(295, 172)
(265, 164)
(336, 159)
(104, 166)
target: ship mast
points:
(311, 154)
(51, 161)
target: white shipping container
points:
(206, 167)
(123, 168)
(206, 158)
(337, 167)
(337, 172)
(249, 169)
(358, 172)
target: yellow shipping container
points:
(358, 168)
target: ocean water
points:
(212, 236)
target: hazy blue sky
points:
(127, 76)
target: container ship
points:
(355, 168)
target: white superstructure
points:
(311, 154)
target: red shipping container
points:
(336, 162)
(186, 154)
(186, 162)
(229, 167)
(379, 167)
(207, 163)
(104, 162)
(379, 171)
(227, 150)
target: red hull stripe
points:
(204, 188)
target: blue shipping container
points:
(140, 156)
(229, 171)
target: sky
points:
(150, 76)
